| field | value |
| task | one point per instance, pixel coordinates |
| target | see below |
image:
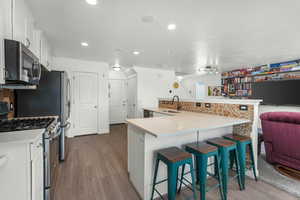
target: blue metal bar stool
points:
(173, 157)
(202, 152)
(225, 147)
(242, 143)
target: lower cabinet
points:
(22, 170)
(37, 171)
(136, 158)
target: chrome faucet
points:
(173, 100)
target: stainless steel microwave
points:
(21, 65)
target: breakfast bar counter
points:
(181, 122)
(167, 128)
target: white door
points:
(200, 90)
(118, 101)
(86, 103)
(132, 95)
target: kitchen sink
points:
(171, 111)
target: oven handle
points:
(57, 134)
(66, 126)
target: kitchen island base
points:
(142, 148)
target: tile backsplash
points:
(7, 95)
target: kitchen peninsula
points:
(195, 121)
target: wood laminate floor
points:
(96, 169)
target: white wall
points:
(102, 69)
(153, 84)
(116, 75)
(189, 83)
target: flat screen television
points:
(278, 92)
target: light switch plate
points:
(243, 107)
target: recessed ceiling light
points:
(171, 27)
(84, 44)
(136, 52)
(92, 2)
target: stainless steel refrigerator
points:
(52, 97)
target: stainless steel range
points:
(50, 140)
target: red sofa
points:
(281, 132)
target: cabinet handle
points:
(28, 43)
(3, 160)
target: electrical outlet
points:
(207, 105)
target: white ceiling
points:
(230, 34)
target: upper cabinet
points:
(5, 32)
(45, 53)
(29, 34)
(19, 19)
(23, 24)
(18, 23)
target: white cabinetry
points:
(45, 54)
(136, 158)
(19, 17)
(29, 33)
(23, 25)
(37, 173)
(17, 23)
(5, 31)
(1, 49)
(21, 170)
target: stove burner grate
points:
(24, 124)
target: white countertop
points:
(26, 136)
(183, 122)
(220, 100)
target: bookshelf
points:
(238, 83)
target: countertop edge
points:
(19, 137)
(220, 100)
(170, 115)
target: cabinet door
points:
(44, 51)
(37, 172)
(29, 33)
(49, 57)
(5, 32)
(1, 45)
(37, 43)
(6, 18)
(19, 20)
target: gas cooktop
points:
(19, 124)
